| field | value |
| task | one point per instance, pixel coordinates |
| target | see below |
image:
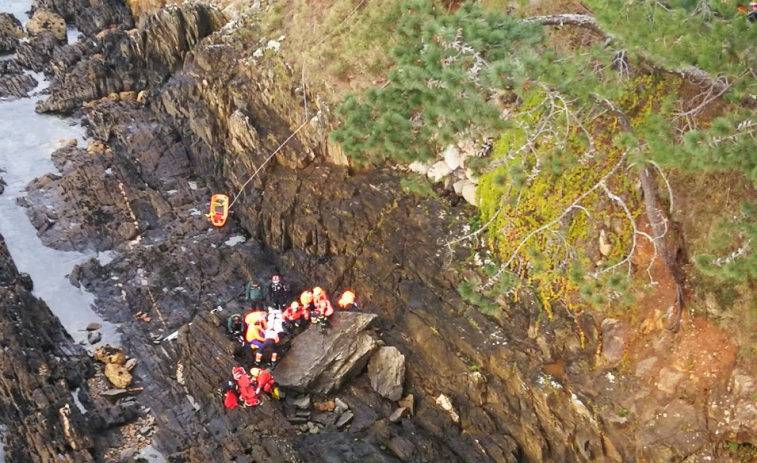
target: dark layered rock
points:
(16, 85)
(89, 16)
(41, 367)
(10, 32)
(36, 53)
(133, 60)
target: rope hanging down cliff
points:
(254, 174)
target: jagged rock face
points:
(16, 85)
(35, 53)
(89, 16)
(134, 60)
(321, 362)
(40, 366)
(10, 32)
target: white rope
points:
(254, 174)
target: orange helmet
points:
(294, 305)
(306, 297)
(317, 291)
(254, 372)
(347, 299)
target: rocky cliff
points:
(42, 370)
(214, 109)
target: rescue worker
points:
(263, 381)
(277, 292)
(306, 301)
(268, 347)
(246, 391)
(256, 325)
(229, 392)
(348, 300)
(253, 292)
(323, 309)
(294, 316)
(235, 325)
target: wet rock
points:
(16, 85)
(344, 419)
(117, 375)
(386, 369)
(89, 16)
(93, 326)
(41, 366)
(322, 363)
(25, 280)
(145, 430)
(94, 337)
(10, 32)
(44, 21)
(36, 53)
(613, 340)
(2, 185)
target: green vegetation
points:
(582, 132)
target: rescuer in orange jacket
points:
(348, 300)
(323, 309)
(255, 331)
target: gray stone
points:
(397, 414)
(469, 193)
(644, 367)
(344, 419)
(452, 157)
(302, 403)
(130, 364)
(669, 380)
(341, 407)
(115, 394)
(94, 326)
(386, 370)
(438, 171)
(403, 448)
(94, 337)
(613, 340)
(145, 430)
(321, 363)
(128, 453)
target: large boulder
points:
(44, 20)
(386, 370)
(321, 363)
(108, 354)
(118, 375)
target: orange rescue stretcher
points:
(219, 209)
